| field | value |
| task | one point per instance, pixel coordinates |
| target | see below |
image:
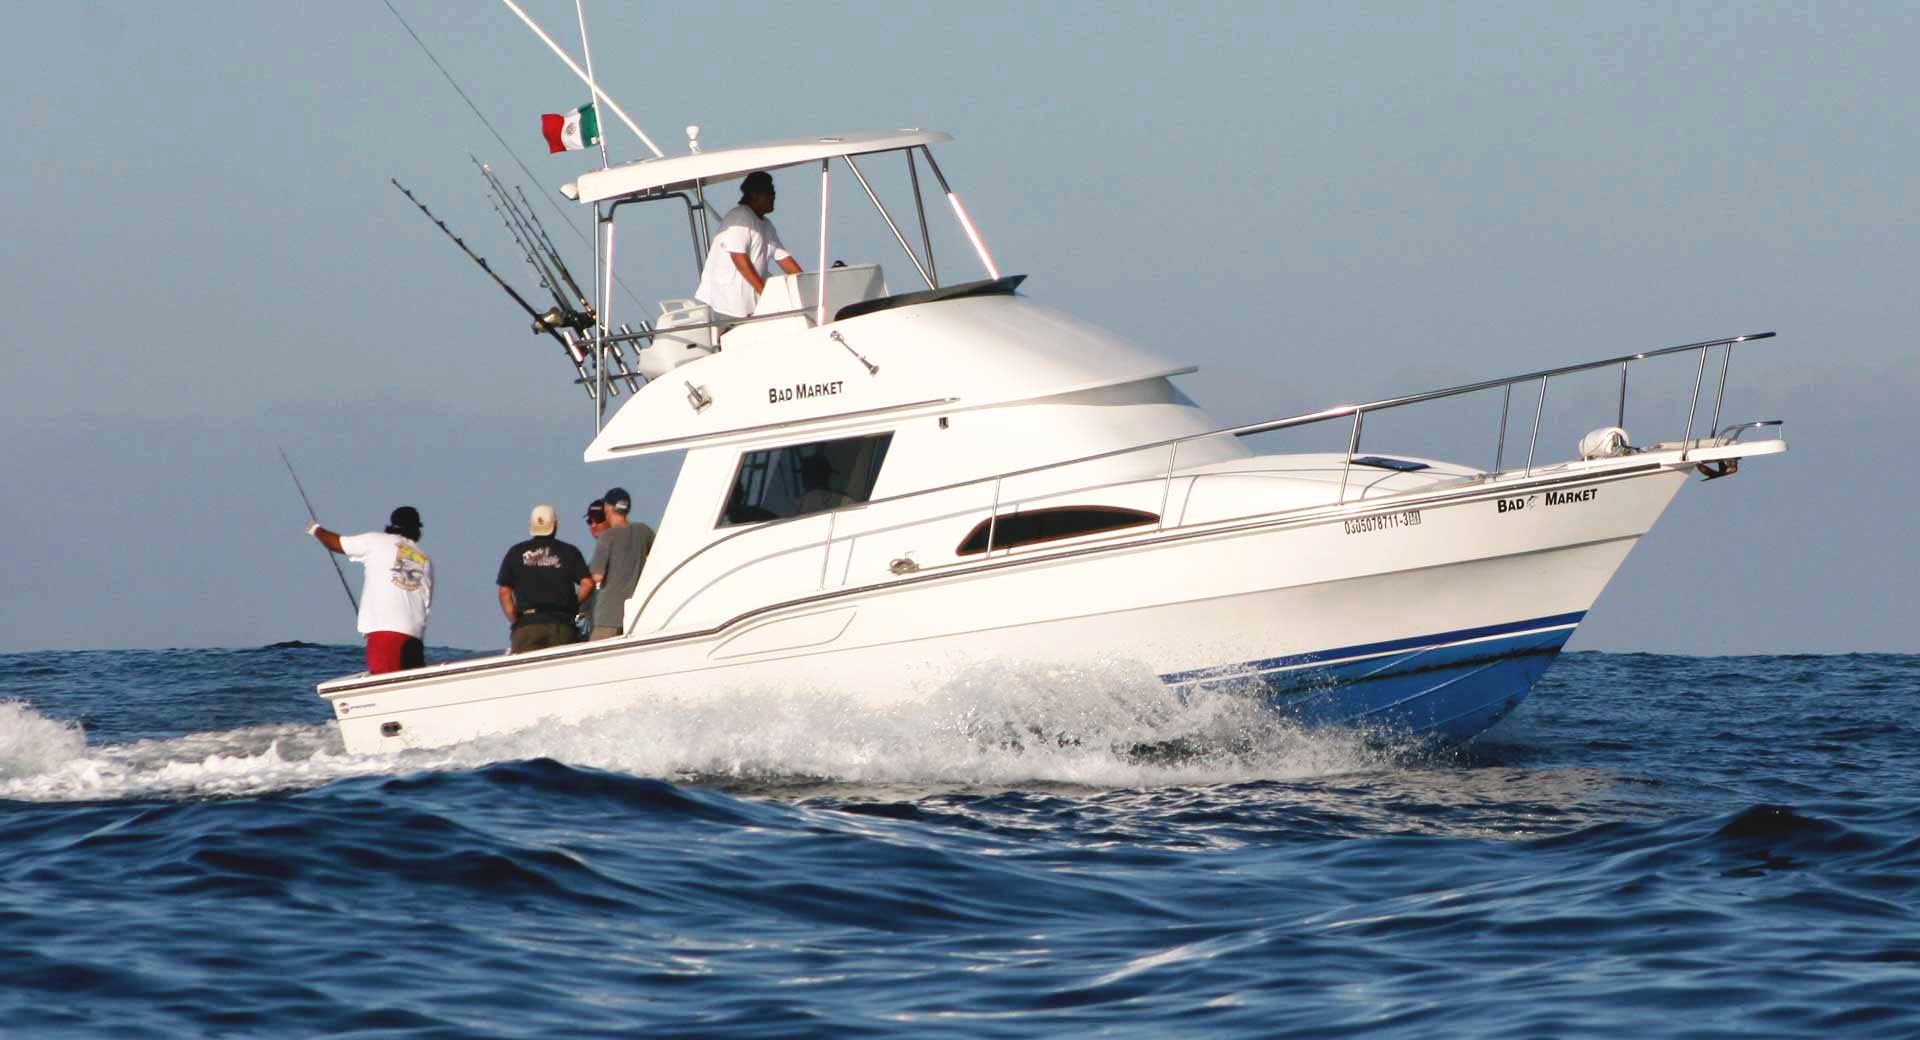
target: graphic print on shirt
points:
(409, 568)
(544, 556)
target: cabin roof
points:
(719, 165)
(936, 358)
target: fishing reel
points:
(555, 318)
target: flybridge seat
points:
(852, 283)
(669, 350)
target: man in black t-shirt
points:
(543, 581)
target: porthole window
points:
(1047, 525)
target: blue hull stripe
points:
(1451, 685)
(1390, 646)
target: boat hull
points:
(1451, 686)
(1431, 617)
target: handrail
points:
(1433, 395)
(1335, 412)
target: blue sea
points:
(1652, 846)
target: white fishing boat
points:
(882, 488)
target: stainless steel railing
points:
(1360, 411)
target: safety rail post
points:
(993, 516)
(826, 555)
(1538, 410)
(1620, 415)
(1726, 362)
(1699, 373)
(1500, 447)
(1353, 445)
(1166, 486)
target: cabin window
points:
(804, 478)
(1382, 462)
(1046, 525)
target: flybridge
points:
(610, 357)
(606, 356)
(688, 330)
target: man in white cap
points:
(543, 581)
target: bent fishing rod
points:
(331, 558)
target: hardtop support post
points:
(884, 215)
(961, 212)
(820, 281)
(920, 207)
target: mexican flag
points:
(577, 130)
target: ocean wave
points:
(31, 743)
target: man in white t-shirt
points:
(397, 592)
(735, 273)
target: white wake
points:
(997, 724)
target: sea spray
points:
(31, 743)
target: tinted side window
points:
(1046, 525)
(804, 478)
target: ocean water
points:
(1652, 846)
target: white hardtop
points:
(946, 356)
(683, 172)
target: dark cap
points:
(596, 511)
(617, 500)
(405, 518)
(758, 180)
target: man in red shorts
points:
(397, 592)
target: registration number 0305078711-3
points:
(1386, 522)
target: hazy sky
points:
(1313, 203)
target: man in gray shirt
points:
(617, 558)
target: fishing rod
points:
(517, 228)
(511, 154)
(574, 353)
(551, 251)
(537, 238)
(545, 263)
(331, 558)
(532, 238)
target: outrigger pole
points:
(588, 80)
(344, 587)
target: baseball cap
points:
(406, 518)
(542, 521)
(618, 500)
(596, 511)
